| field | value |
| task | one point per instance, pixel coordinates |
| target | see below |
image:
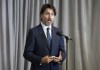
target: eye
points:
(52, 14)
(47, 13)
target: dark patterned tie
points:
(48, 36)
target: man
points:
(44, 48)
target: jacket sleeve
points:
(29, 49)
(62, 49)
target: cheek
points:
(53, 17)
(43, 18)
(46, 18)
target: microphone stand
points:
(67, 39)
(67, 52)
(67, 42)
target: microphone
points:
(61, 34)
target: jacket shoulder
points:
(34, 28)
(57, 29)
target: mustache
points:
(49, 19)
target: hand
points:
(58, 59)
(46, 59)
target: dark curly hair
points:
(45, 6)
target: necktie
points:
(48, 36)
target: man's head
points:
(47, 14)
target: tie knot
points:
(48, 29)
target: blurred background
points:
(79, 19)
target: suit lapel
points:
(53, 36)
(42, 34)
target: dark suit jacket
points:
(37, 47)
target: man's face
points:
(48, 17)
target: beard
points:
(49, 23)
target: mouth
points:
(49, 21)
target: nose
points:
(50, 16)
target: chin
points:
(48, 24)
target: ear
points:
(40, 16)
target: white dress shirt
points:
(45, 29)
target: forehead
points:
(48, 10)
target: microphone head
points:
(59, 33)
